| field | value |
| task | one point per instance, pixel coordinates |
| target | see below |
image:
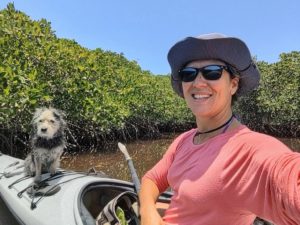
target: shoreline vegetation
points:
(107, 98)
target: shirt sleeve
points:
(264, 178)
(158, 174)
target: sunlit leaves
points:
(100, 90)
(276, 104)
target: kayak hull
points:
(74, 203)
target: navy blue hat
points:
(230, 50)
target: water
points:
(145, 154)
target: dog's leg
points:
(52, 168)
(29, 168)
(38, 169)
(55, 164)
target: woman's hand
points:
(152, 218)
(148, 195)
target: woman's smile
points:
(201, 96)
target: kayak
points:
(67, 198)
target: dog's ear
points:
(59, 115)
(37, 113)
(62, 120)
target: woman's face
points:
(208, 98)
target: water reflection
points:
(144, 154)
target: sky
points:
(144, 31)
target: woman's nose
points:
(199, 80)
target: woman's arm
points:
(155, 182)
(148, 196)
(261, 176)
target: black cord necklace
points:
(223, 125)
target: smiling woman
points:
(221, 172)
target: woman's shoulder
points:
(183, 138)
(259, 140)
(246, 133)
(186, 134)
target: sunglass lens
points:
(212, 75)
(212, 72)
(188, 74)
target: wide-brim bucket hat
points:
(230, 50)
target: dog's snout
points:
(44, 130)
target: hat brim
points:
(228, 49)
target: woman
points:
(221, 173)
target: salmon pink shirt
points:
(229, 180)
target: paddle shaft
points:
(134, 176)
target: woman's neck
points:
(205, 124)
(201, 138)
(224, 127)
(207, 127)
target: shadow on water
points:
(145, 154)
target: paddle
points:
(134, 175)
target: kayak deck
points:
(78, 199)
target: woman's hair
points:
(233, 73)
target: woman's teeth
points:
(198, 96)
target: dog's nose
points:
(44, 130)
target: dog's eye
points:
(52, 121)
(40, 121)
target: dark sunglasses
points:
(211, 72)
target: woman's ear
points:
(234, 85)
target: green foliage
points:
(24, 44)
(280, 92)
(103, 92)
(100, 91)
(275, 106)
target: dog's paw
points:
(52, 172)
(37, 179)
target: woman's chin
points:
(202, 113)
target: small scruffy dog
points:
(47, 142)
